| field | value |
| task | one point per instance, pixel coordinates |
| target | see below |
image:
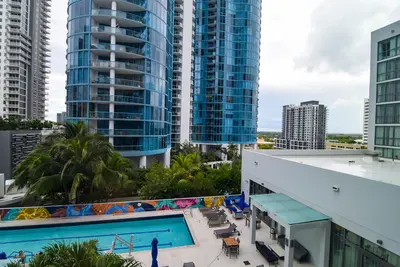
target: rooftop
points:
(358, 163)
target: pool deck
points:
(206, 252)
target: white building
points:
(24, 59)
(303, 127)
(365, 121)
(384, 94)
(341, 206)
(182, 68)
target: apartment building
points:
(226, 72)
(384, 94)
(24, 59)
(119, 74)
(182, 84)
(303, 126)
(365, 121)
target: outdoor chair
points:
(227, 232)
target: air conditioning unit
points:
(2, 185)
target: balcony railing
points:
(118, 98)
(106, 29)
(118, 65)
(117, 81)
(118, 48)
(128, 132)
(115, 115)
(120, 14)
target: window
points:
(389, 48)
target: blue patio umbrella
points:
(241, 201)
(154, 252)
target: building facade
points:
(61, 117)
(119, 73)
(182, 71)
(384, 94)
(226, 72)
(24, 65)
(325, 204)
(303, 127)
(365, 121)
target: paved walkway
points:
(207, 251)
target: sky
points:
(310, 50)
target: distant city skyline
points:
(328, 61)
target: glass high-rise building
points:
(226, 71)
(119, 73)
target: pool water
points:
(171, 231)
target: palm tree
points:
(77, 254)
(186, 167)
(72, 164)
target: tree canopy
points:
(16, 123)
(73, 166)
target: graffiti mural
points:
(66, 211)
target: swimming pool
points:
(171, 231)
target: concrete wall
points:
(2, 185)
(365, 207)
(5, 154)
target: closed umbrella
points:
(154, 252)
(241, 202)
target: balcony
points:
(123, 35)
(124, 19)
(120, 50)
(178, 25)
(178, 16)
(119, 83)
(134, 5)
(178, 42)
(128, 147)
(128, 132)
(115, 115)
(178, 7)
(125, 68)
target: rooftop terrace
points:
(359, 163)
(207, 251)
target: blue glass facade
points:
(119, 71)
(226, 71)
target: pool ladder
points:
(122, 242)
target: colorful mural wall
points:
(66, 211)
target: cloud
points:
(340, 34)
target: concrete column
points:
(325, 246)
(289, 248)
(143, 162)
(114, 5)
(167, 158)
(253, 224)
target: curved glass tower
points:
(227, 58)
(119, 72)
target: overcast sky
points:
(310, 50)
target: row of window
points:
(387, 136)
(389, 70)
(389, 48)
(387, 92)
(388, 114)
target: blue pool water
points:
(171, 231)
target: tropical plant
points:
(227, 178)
(159, 183)
(73, 166)
(17, 123)
(186, 167)
(78, 254)
(185, 148)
